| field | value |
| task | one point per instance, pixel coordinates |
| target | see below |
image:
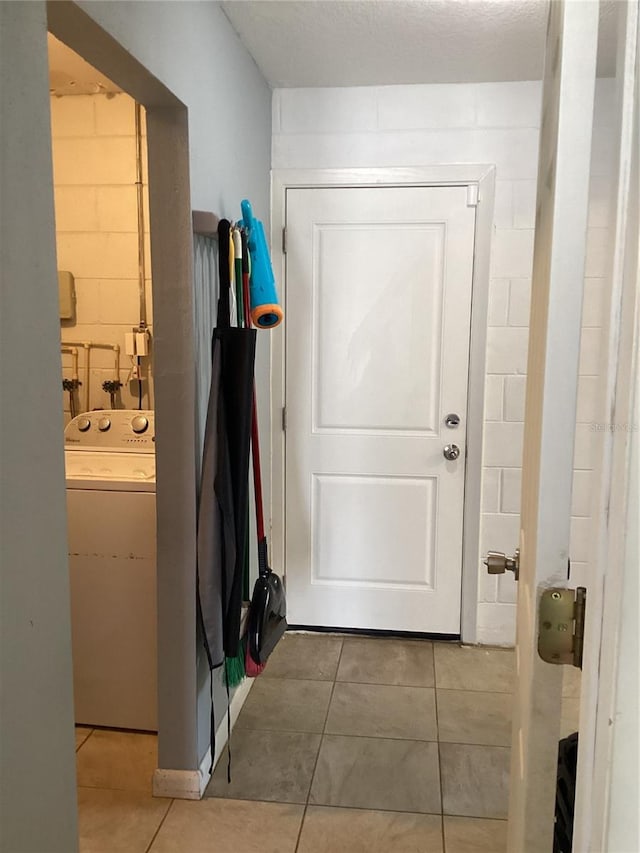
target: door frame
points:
(480, 178)
(172, 278)
(607, 717)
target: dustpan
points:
(268, 612)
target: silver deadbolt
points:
(451, 451)
(452, 420)
(498, 563)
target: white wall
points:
(94, 174)
(479, 123)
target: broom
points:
(234, 668)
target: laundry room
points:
(100, 174)
(102, 237)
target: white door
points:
(550, 412)
(377, 352)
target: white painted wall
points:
(494, 123)
(94, 175)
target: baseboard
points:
(191, 784)
(177, 784)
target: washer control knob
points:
(104, 424)
(139, 424)
(84, 424)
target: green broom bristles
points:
(234, 668)
(235, 672)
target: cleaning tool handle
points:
(246, 271)
(237, 251)
(263, 558)
(224, 272)
(257, 477)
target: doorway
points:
(383, 387)
(170, 265)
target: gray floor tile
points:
(270, 766)
(468, 716)
(474, 668)
(223, 826)
(368, 660)
(333, 830)
(377, 710)
(118, 821)
(117, 760)
(309, 656)
(474, 835)
(475, 780)
(286, 704)
(374, 773)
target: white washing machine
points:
(111, 505)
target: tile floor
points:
(345, 745)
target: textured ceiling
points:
(69, 74)
(378, 42)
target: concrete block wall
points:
(494, 123)
(94, 164)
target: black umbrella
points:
(222, 513)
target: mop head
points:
(234, 669)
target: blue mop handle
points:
(266, 312)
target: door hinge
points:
(284, 241)
(561, 625)
(473, 195)
(284, 419)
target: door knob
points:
(451, 451)
(498, 563)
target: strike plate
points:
(561, 626)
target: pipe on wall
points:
(140, 202)
(87, 346)
(73, 352)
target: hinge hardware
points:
(473, 195)
(284, 241)
(284, 419)
(561, 618)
